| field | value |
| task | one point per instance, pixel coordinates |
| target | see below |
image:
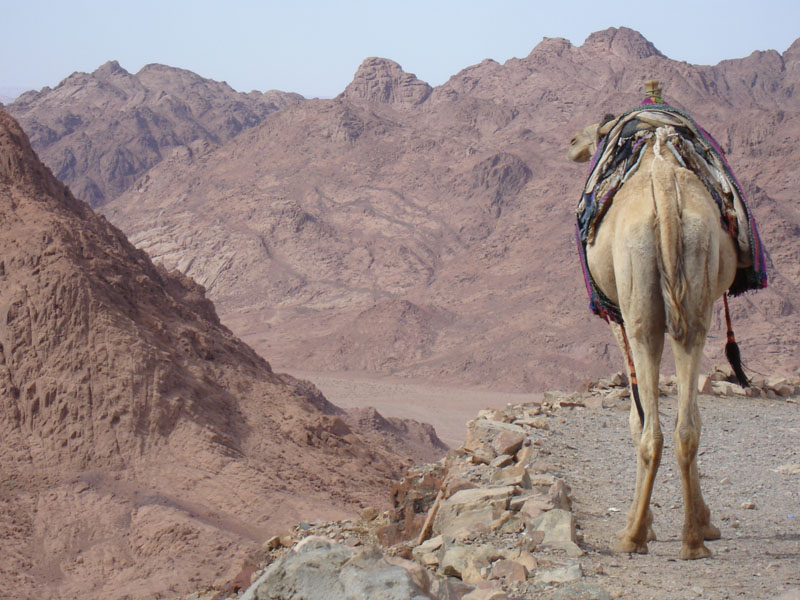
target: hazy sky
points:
(314, 47)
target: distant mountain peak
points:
(621, 41)
(109, 69)
(555, 46)
(383, 80)
(792, 53)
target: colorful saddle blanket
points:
(618, 157)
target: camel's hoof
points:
(689, 553)
(628, 546)
(626, 532)
(710, 532)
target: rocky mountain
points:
(428, 232)
(99, 132)
(144, 446)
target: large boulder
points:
(320, 569)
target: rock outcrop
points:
(384, 81)
(144, 446)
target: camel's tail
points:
(668, 206)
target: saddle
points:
(618, 157)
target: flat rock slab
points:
(561, 574)
(320, 569)
(476, 504)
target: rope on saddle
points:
(634, 381)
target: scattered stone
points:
(273, 543)
(486, 594)
(525, 455)
(467, 508)
(502, 461)
(725, 388)
(508, 442)
(509, 570)
(481, 432)
(542, 479)
(456, 484)
(619, 394)
(539, 422)
(499, 504)
(725, 481)
(572, 572)
(525, 558)
(483, 455)
(535, 506)
(466, 562)
(705, 384)
(581, 590)
(559, 495)
(748, 505)
(753, 392)
(781, 386)
(367, 514)
(619, 379)
(559, 530)
(515, 475)
(513, 525)
(790, 469)
(570, 403)
(718, 374)
(430, 545)
(594, 402)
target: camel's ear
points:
(606, 125)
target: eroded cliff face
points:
(137, 431)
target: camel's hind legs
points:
(697, 525)
(646, 347)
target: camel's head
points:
(583, 144)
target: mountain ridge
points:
(459, 203)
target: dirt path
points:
(743, 444)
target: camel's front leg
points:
(646, 351)
(697, 525)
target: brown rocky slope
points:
(429, 232)
(143, 444)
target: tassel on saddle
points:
(732, 349)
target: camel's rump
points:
(617, 158)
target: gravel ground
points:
(744, 442)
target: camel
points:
(662, 256)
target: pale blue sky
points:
(314, 47)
